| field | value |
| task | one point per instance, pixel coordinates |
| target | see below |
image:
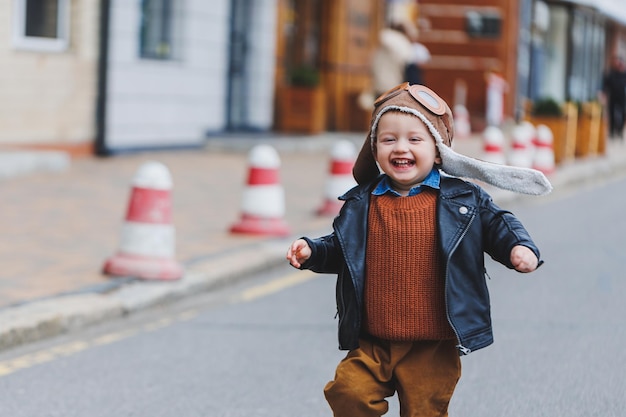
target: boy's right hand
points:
(298, 253)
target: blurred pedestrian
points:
(398, 58)
(414, 73)
(614, 87)
(391, 57)
(408, 250)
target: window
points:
(303, 36)
(158, 23)
(41, 25)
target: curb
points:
(14, 163)
(54, 316)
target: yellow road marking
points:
(187, 315)
(20, 363)
(46, 355)
(70, 348)
(113, 337)
(42, 357)
(159, 324)
(276, 285)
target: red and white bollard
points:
(522, 146)
(148, 237)
(493, 145)
(343, 155)
(462, 128)
(263, 202)
(544, 150)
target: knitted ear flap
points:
(448, 122)
(365, 168)
(519, 180)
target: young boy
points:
(408, 248)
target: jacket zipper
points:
(463, 349)
(340, 284)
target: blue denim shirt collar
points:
(432, 180)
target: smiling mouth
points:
(403, 163)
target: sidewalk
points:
(58, 228)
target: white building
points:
(129, 74)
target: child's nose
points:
(402, 145)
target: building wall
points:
(167, 102)
(153, 103)
(48, 98)
(261, 64)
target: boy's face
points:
(405, 150)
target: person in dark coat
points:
(614, 86)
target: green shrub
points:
(304, 76)
(547, 107)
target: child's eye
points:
(387, 139)
(416, 139)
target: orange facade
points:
(336, 38)
(462, 55)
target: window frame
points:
(168, 24)
(36, 43)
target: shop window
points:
(159, 22)
(41, 25)
(483, 25)
(587, 45)
(555, 55)
(303, 40)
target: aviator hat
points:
(423, 103)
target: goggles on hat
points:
(423, 95)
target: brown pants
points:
(423, 373)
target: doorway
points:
(237, 97)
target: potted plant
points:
(304, 76)
(589, 139)
(547, 107)
(302, 102)
(562, 120)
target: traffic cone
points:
(544, 150)
(522, 151)
(462, 128)
(493, 145)
(532, 132)
(263, 205)
(148, 237)
(343, 154)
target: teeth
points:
(403, 162)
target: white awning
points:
(613, 9)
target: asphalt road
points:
(267, 346)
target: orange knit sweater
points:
(404, 284)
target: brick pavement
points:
(57, 229)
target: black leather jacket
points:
(469, 225)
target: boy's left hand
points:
(523, 259)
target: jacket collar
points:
(450, 187)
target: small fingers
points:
(293, 254)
